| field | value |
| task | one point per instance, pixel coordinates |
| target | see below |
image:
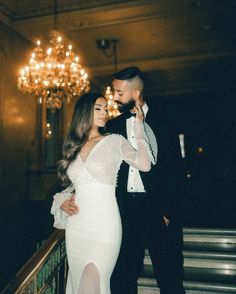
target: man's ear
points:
(136, 95)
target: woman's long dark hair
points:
(81, 125)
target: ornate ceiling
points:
(153, 34)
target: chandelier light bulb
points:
(49, 51)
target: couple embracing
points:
(118, 207)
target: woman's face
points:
(100, 112)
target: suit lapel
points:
(118, 125)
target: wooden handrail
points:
(35, 263)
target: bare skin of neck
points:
(94, 138)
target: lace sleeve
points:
(60, 216)
(140, 158)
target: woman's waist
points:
(96, 202)
(96, 189)
(94, 186)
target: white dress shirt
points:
(135, 183)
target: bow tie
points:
(129, 114)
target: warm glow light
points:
(112, 106)
(53, 73)
(200, 149)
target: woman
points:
(91, 160)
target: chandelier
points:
(112, 105)
(54, 73)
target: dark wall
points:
(207, 120)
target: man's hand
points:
(166, 220)
(69, 206)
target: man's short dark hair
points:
(129, 73)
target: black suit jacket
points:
(163, 182)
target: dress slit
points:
(90, 280)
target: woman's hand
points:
(139, 112)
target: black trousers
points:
(144, 227)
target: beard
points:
(125, 107)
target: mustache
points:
(125, 107)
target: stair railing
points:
(45, 272)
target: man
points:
(143, 199)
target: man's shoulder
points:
(116, 121)
(156, 121)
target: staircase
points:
(209, 263)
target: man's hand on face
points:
(69, 206)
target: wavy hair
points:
(81, 125)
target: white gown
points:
(93, 236)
